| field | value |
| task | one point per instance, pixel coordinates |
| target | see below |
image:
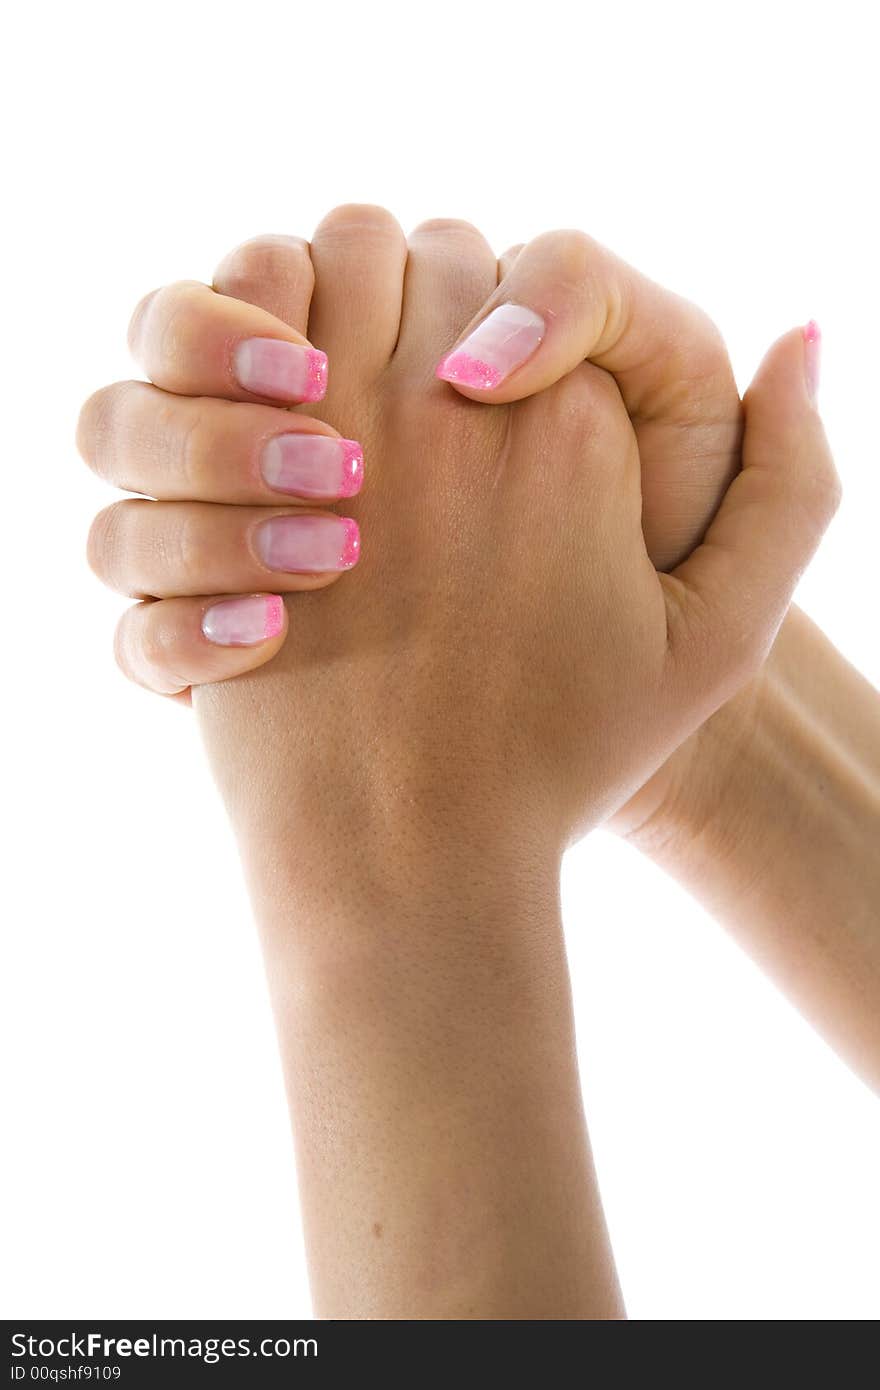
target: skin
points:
(402, 797)
(770, 815)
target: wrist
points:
(735, 773)
(704, 793)
(333, 835)
(389, 899)
(759, 781)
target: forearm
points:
(429, 1051)
(775, 826)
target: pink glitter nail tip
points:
(352, 547)
(316, 375)
(274, 615)
(352, 468)
(465, 370)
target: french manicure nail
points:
(812, 358)
(308, 544)
(284, 371)
(313, 465)
(243, 622)
(500, 343)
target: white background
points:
(730, 152)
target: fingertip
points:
(790, 369)
(461, 369)
(784, 429)
(500, 345)
(276, 616)
(812, 346)
(351, 550)
(352, 468)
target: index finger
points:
(195, 342)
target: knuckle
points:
(597, 390)
(122, 645)
(356, 220)
(193, 448)
(157, 646)
(835, 492)
(814, 493)
(585, 405)
(138, 319)
(454, 226)
(264, 258)
(188, 549)
(128, 641)
(710, 332)
(825, 491)
(167, 310)
(698, 381)
(572, 252)
(106, 547)
(94, 426)
(100, 425)
(146, 649)
(706, 349)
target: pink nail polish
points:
(812, 358)
(244, 622)
(284, 371)
(313, 465)
(308, 544)
(352, 549)
(498, 345)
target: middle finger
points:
(183, 448)
(161, 549)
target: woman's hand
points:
(675, 377)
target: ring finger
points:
(161, 549)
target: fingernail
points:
(812, 357)
(308, 544)
(313, 465)
(500, 343)
(243, 622)
(284, 371)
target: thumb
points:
(727, 600)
